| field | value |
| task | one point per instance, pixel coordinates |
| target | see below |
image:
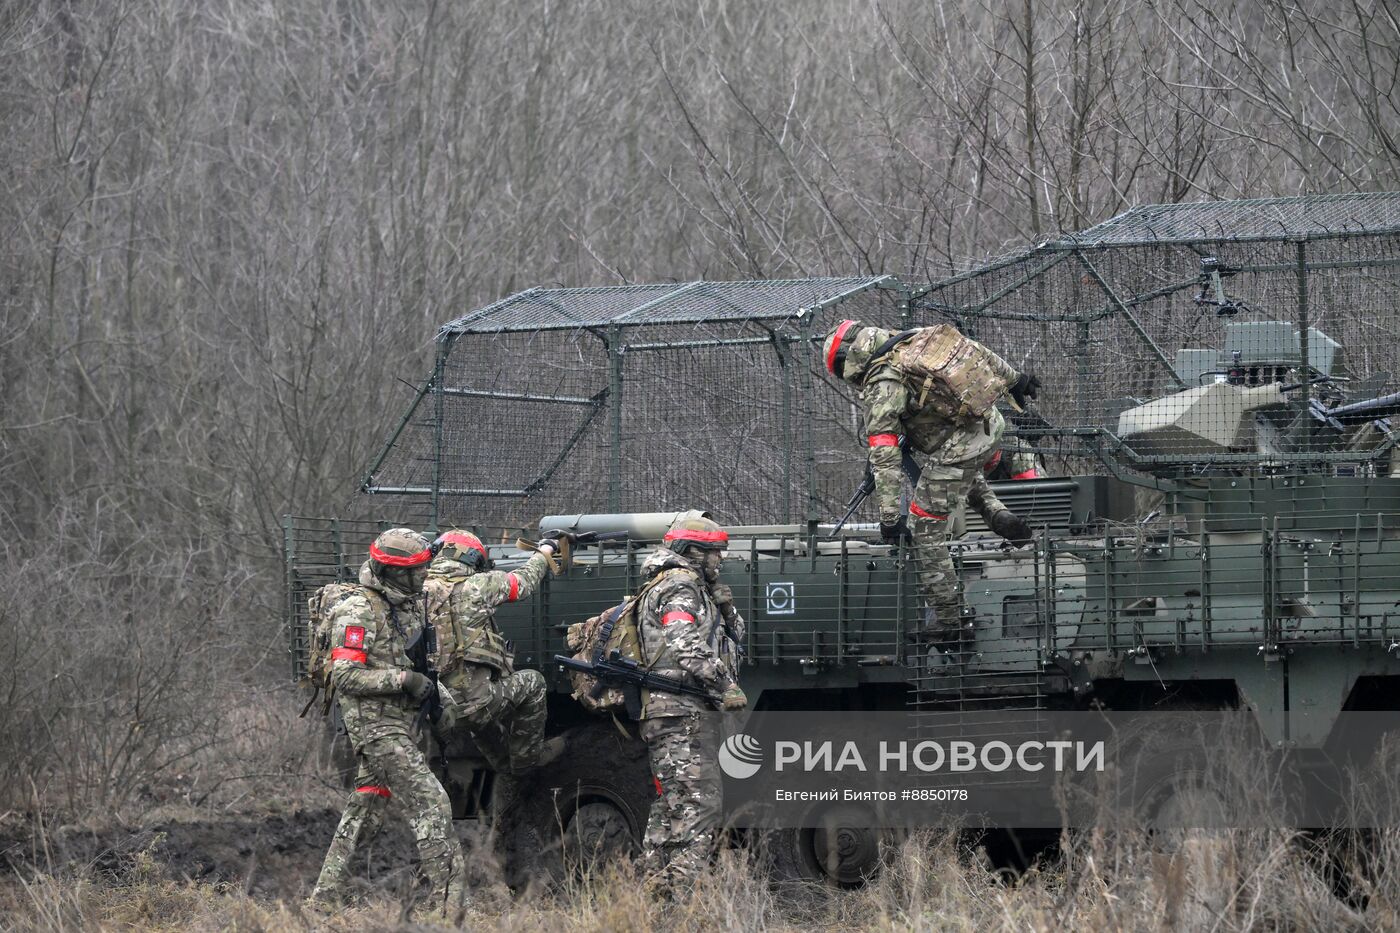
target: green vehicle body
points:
(1253, 565)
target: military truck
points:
(1221, 529)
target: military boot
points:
(506, 795)
(546, 753)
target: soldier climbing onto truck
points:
(934, 392)
(503, 709)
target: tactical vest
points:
(476, 641)
(665, 661)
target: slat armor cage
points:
(1174, 341)
(637, 398)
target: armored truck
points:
(1218, 513)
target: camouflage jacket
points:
(462, 607)
(1014, 462)
(370, 630)
(682, 634)
(890, 411)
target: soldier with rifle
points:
(930, 392)
(688, 627)
(381, 696)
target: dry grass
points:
(1229, 881)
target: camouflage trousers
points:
(939, 502)
(505, 715)
(684, 820)
(393, 766)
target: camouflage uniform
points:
(684, 635)
(953, 454)
(371, 629)
(1014, 461)
(502, 708)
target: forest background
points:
(229, 229)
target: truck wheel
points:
(597, 834)
(1175, 787)
(844, 852)
(587, 804)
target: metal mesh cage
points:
(638, 398)
(1242, 337)
(1230, 338)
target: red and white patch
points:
(354, 636)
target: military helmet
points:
(400, 547)
(465, 547)
(835, 347)
(692, 529)
(850, 347)
(399, 557)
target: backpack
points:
(318, 639)
(953, 375)
(612, 630)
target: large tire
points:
(597, 833)
(843, 852)
(580, 808)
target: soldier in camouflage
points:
(690, 630)
(502, 708)
(1014, 460)
(380, 695)
(954, 453)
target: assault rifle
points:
(420, 650)
(633, 678)
(867, 485)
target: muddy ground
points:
(268, 857)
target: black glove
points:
(416, 685)
(1012, 527)
(895, 531)
(1027, 385)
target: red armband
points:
(925, 513)
(883, 440)
(1032, 473)
(376, 789)
(514, 593)
(349, 654)
(676, 616)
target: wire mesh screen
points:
(1167, 350)
(640, 398)
(1257, 357)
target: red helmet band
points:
(464, 541)
(706, 537)
(836, 345)
(392, 560)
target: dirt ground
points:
(270, 857)
(186, 870)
